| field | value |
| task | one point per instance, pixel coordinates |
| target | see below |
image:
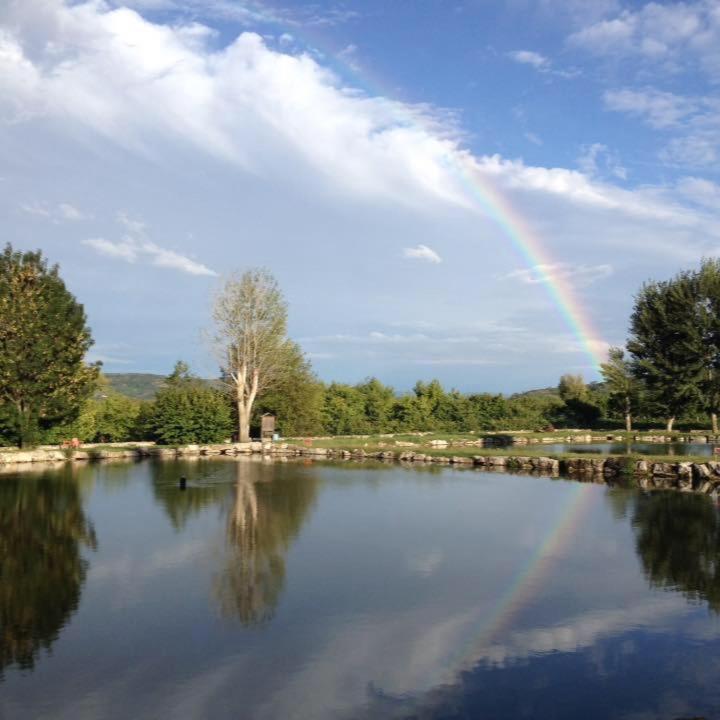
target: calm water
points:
(678, 449)
(336, 591)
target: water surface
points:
(636, 448)
(292, 590)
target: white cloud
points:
(694, 150)
(659, 109)
(670, 36)
(696, 120)
(528, 57)
(132, 250)
(36, 208)
(422, 252)
(144, 86)
(63, 212)
(700, 191)
(70, 212)
(597, 159)
(126, 250)
(540, 63)
(580, 274)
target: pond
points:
(637, 448)
(294, 590)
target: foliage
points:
(666, 344)
(188, 411)
(43, 342)
(622, 386)
(296, 400)
(106, 417)
(572, 387)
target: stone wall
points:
(687, 476)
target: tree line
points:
(670, 369)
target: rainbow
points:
(487, 199)
(527, 581)
(529, 576)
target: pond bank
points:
(698, 476)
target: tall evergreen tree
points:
(667, 345)
(44, 338)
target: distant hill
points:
(142, 386)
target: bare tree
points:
(250, 317)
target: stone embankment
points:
(703, 477)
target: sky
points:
(471, 191)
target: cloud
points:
(700, 191)
(673, 37)
(540, 63)
(132, 250)
(126, 250)
(61, 213)
(70, 212)
(580, 274)
(695, 120)
(422, 252)
(247, 13)
(659, 109)
(37, 209)
(147, 87)
(528, 57)
(597, 159)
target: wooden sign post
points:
(267, 427)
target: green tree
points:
(622, 386)
(572, 387)
(708, 320)
(297, 400)
(187, 410)
(666, 345)
(44, 339)
(378, 402)
(344, 410)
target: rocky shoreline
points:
(688, 476)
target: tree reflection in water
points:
(263, 522)
(678, 542)
(42, 530)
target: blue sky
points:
(152, 146)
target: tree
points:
(187, 410)
(572, 387)
(255, 355)
(44, 338)
(666, 345)
(297, 400)
(622, 386)
(708, 319)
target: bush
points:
(188, 412)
